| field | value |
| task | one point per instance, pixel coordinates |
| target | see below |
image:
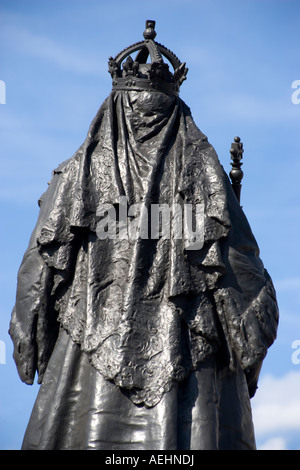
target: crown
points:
(137, 74)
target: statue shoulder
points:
(65, 171)
(70, 163)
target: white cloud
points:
(288, 284)
(275, 443)
(252, 107)
(276, 405)
(47, 49)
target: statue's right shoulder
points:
(70, 163)
(66, 171)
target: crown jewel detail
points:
(137, 74)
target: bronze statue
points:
(143, 335)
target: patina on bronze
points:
(139, 342)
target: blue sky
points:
(243, 57)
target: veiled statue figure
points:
(144, 335)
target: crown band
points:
(141, 84)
